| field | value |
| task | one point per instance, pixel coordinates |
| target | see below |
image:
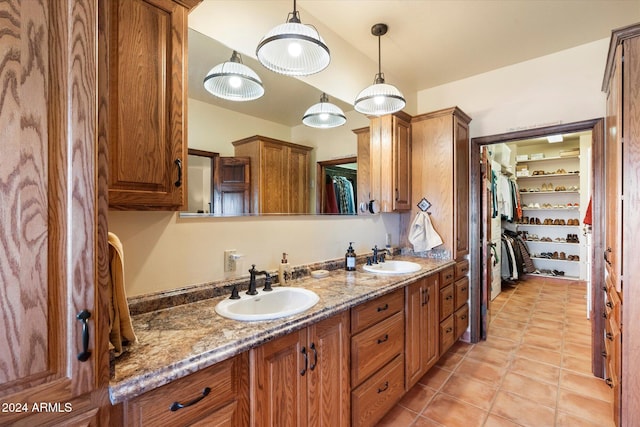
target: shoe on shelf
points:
(537, 221)
(562, 256)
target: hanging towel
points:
(121, 329)
(422, 235)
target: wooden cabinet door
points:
(430, 312)
(364, 168)
(401, 164)
(279, 384)
(146, 44)
(298, 183)
(273, 186)
(421, 342)
(231, 185)
(461, 188)
(328, 380)
(48, 215)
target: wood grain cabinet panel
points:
(446, 304)
(280, 174)
(421, 328)
(145, 119)
(218, 395)
(302, 379)
(372, 312)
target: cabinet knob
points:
(385, 338)
(383, 308)
(609, 382)
(384, 387)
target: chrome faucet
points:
(252, 280)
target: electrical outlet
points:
(229, 260)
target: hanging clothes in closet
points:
(340, 191)
(516, 259)
(506, 197)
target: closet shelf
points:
(548, 158)
(547, 225)
(548, 192)
(550, 175)
(551, 209)
(555, 243)
(552, 259)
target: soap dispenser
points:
(284, 271)
(350, 259)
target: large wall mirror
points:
(221, 130)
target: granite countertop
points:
(177, 341)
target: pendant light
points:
(234, 81)
(293, 48)
(324, 115)
(379, 98)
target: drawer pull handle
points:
(178, 163)
(383, 308)
(609, 304)
(609, 336)
(609, 382)
(448, 330)
(449, 297)
(315, 356)
(384, 387)
(306, 361)
(604, 353)
(177, 405)
(83, 316)
(463, 317)
(604, 314)
(463, 289)
(383, 339)
(606, 256)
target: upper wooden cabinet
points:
(145, 113)
(302, 379)
(440, 169)
(280, 180)
(384, 163)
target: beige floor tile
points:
(490, 355)
(507, 324)
(577, 364)
(536, 391)
(585, 407)
(578, 338)
(536, 370)
(424, 422)
(435, 378)
(522, 411)
(509, 334)
(499, 343)
(473, 369)
(496, 421)
(551, 342)
(449, 361)
(568, 420)
(577, 350)
(540, 355)
(587, 385)
(417, 398)
(470, 391)
(398, 417)
(454, 413)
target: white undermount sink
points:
(393, 267)
(280, 302)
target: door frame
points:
(596, 126)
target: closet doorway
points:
(337, 184)
(542, 193)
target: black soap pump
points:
(350, 259)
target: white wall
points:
(560, 88)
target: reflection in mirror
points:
(215, 123)
(337, 189)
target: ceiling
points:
(429, 42)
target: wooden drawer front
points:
(446, 276)
(223, 380)
(461, 288)
(373, 348)
(376, 396)
(461, 320)
(462, 268)
(372, 312)
(447, 334)
(446, 302)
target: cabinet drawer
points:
(224, 397)
(462, 268)
(374, 347)
(461, 320)
(376, 396)
(461, 291)
(447, 334)
(446, 302)
(446, 276)
(372, 312)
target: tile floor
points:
(533, 370)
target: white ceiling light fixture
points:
(324, 115)
(379, 98)
(234, 81)
(293, 48)
(554, 138)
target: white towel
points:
(422, 235)
(121, 330)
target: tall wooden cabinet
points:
(440, 170)
(421, 328)
(622, 221)
(145, 48)
(384, 162)
(302, 379)
(280, 181)
(52, 219)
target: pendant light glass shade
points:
(324, 115)
(293, 48)
(380, 98)
(234, 81)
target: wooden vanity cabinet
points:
(440, 169)
(386, 162)
(145, 45)
(377, 357)
(302, 379)
(280, 177)
(421, 328)
(215, 396)
(446, 308)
